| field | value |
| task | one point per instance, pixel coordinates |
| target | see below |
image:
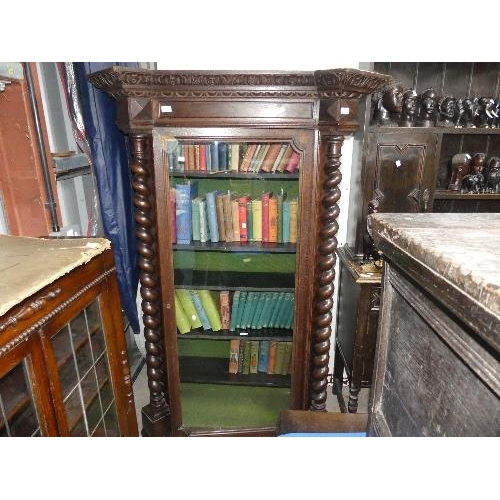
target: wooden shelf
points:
(215, 371)
(250, 247)
(442, 194)
(233, 175)
(263, 334)
(437, 130)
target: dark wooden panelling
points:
(456, 81)
(429, 75)
(482, 82)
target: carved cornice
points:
(350, 83)
(347, 83)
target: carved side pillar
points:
(325, 272)
(156, 415)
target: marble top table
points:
(456, 255)
(29, 264)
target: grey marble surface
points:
(462, 248)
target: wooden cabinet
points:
(63, 359)
(171, 117)
(408, 170)
(437, 369)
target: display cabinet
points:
(63, 358)
(235, 179)
(407, 169)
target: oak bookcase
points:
(191, 389)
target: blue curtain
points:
(110, 154)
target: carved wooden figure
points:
(485, 114)
(408, 108)
(447, 106)
(492, 175)
(389, 107)
(460, 166)
(469, 113)
(427, 108)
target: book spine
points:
(203, 158)
(205, 323)
(287, 357)
(181, 319)
(219, 206)
(241, 355)
(257, 166)
(225, 309)
(241, 309)
(234, 349)
(250, 220)
(172, 215)
(265, 216)
(197, 155)
(235, 157)
(211, 308)
(281, 196)
(235, 212)
(270, 158)
(286, 158)
(212, 216)
(263, 356)
(214, 150)
(223, 154)
(280, 358)
(247, 158)
(280, 157)
(188, 307)
(181, 161)
(228, 217)
(257, 220)
(208, 156)
(242, 206)
(195, 218)
(234, 310)
(293, 163)
(286, 221)
(254, 356)
(184, 193)
(246, 357)
(293, 220)
(204, 231)
(273, 219)
(276, 308)
(271, 363)
(246, 311)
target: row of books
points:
(260, 356)
(239, 310)
(229, 217)
(219, 156)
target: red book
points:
(203, 157)
(273, 219)
(293, 163)
(242, 205)
(171, 215)
(265, 216)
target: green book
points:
(287, 356)
(188, 307)
(211, 308)
(195, 218)
(289, 318)
(281, 196)
(245, 318)
(283, 312)
(181, 319)
(241, 354)
(199, 309)
(259, 307)
(239, 312)
(286, 221)
(234, 309)
(246, 357)
(276, 308)
(280, 358)
(268, 308)
(249, 220)
(254, 310)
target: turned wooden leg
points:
(352, 405)
(338, 372)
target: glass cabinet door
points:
(82, 362)
(233, 217)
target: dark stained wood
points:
(437, 361)
(312, 111)
(29, 337)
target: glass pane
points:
(91, 400)
(98, 342)
(18, 415)
(104, 381)
(233, 214)
(74, 414)
(100, 431)
(65, 360)
(111, 422)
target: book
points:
(245, 317)
(247, 158)
(234, 349)
(181, 320)
(257, 164)
(253, 160)
(196, 156)
(293, 220)
(270, 157)
(246, 357)
(195, 218)
(202, 157)
(259, 307)
(179, 153)
(276, 309)
(254, 311)
(250, 220)
(286, 221)
(188, 307)
(208, 156)
(285, 159)
(240, 310)
(273, 219)
(204, 230)
(280, 358)
(235, 157)
(279, 220)
(211, 308)
(219, 206)
(225, 309)
(214, 155)
(263, 356)
(191, 157)
(234, 310)
(254, 356)
(290, 313)
(212, 216)
(287, 358)
(279, 158)
(241, 354)
(282, 319)
(227, 210)
(242, 216)
(184, 193)
(195, 297)
(271, 359)
(172, 215)
(268, 307)
(265, 216)
(235, 212)
(223, 156)
(293, 163)
(257, 220)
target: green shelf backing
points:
(215, 406)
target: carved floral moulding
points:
(127, 82)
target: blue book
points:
(223, 155)
(214, 153)
(263, 356)
(184, 193)
(200, 309)
(286, 221)
(208, 156)
(211, 207)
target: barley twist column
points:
(325, 272)
(155, 415)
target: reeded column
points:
(325, 272)
(155, 416)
